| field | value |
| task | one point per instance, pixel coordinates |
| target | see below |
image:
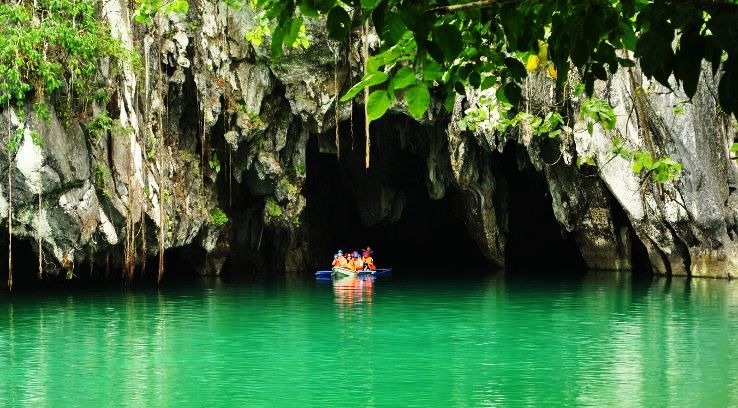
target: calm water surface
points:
(601, 340)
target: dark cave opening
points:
(426, 234)
(535, 240)
(25, 263)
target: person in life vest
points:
(358, 264)
(349, 263)
(341, 259)
(369, 263)
(368, 259)
(335, 262)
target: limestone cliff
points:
(210, 122)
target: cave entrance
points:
(386, 207)
(535, 240)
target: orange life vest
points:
(369, 262)
(342, 261)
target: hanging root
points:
(365, 44)
(38, 239)
(338, 94)
(10, 221)
(162, 213)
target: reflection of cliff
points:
(350, 290)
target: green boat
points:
(340, 272)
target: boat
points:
(339, 272)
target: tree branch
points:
(451, 8)
(718, 5)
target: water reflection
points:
(353, 290)
(600, 340)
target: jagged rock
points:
(213, 122)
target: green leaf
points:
(489, 82)
(402, 79)
(637, 167)
(374, 78)
(307, 9)
(448, 39)
(417, 98)
(628, 35)
(475, 79)
(450, 101)
(627, 63)
(177, 6)
(517, 69)
(513, 93)
(645, 159)
(724, 29)
(655, 52)
(432, 71)
(435, 52)
(377, 104)
(338, 23)
(689, 61)
(394, 29)
(599, 71)
(143, 18)
(370, 4)
(294, 31)
(500, 95)
(277, 41)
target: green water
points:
(601, 340)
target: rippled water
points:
(602, 340)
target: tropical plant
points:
(46, 45)
(480, 44)
(218, 217)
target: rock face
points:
(211, 123)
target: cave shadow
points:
(421, 235)
(536, 243)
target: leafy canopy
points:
(481, 44)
